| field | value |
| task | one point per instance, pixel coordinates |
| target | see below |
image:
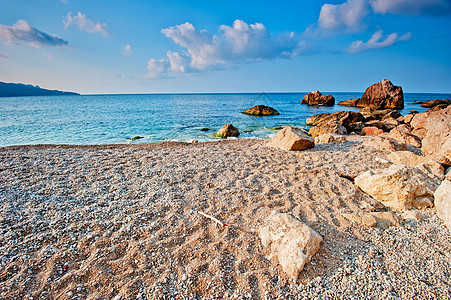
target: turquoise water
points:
(112, 119)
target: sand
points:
(123, 222)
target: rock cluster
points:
(261, 110)
(316, 98)
(379, 95)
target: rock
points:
(392, 114)
(408, 118)
(410, 159)
(350, 102)
(398, 187)
(383, 220)
(382, 95)
(205, 129)
(290, 241)
(385, 144)
(404, 128)
(369, 220)
(412, 214)
(261, 110)
(330, 138)
(316, 98)
(292, 138)
(375, 114)
(316, 119)
(331, 126)
(135, 138)
(437, 141)
(443, 202)
(371, 130)
(355, 127)
(436, 102)
(227, 130)
(405, 138)
(386, 125)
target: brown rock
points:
(316, 119)
(346, 118)
(437, 140)
(355, 127)
(392, 114)
(331, 126)
(408, 118)
(383, 95)
(330, 138)
(350, 102)
(316, 98)
(436, 102)
(227, 130)
(261, 110)
(405, 138)
(292, 138)
(371, 130)
(377, 114)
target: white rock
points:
(412, 215)
(443, 202)
(292, 242)
(410, 159)
(330, 138)
(292, 138)
(398, 187)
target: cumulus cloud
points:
(241, 42)
(411, 7)
(85, 24)
(377, 41)
(349, 15)
(127, 50)
(22, 32)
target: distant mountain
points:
(19, 89)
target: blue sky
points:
(226, 46)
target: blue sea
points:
(113, 119)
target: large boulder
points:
(443, 202)
(292, 138)
(331, 126)
(345, 117)
(261, 110)
(379, 95)
(228, 130)
(399, 187)
(316, 98)
(410, 159)
(291, 242)
(437, 141)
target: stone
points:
(330, 138)
(292, 138)
(392, 114)
(344, 117)
(375, 114)
(412, 214)
(385, 144)
(404, 128)
(436, 102)
(398, 187)
(369, 220)
(316, 119)
(316, 98)
(371, 130)
(410, 159)
(355, 127)
(331, 126)
(443, 202)
(384, 220)
(350, 102)
(261, 110)
(228, 130)
(405, 137)
(290, 241)
(408, 118)
(382, 95)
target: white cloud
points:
(349, 15)
(23, 32)
(85, 24)
(127, 50)
(376, 41)
(241, 42)
(411, 7)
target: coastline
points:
(121, 221)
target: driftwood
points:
(269, 177)
(213, 218)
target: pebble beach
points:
(130, 222)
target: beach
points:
(130, 222)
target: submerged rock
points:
(292, 138)
(292, 242)
(228, 130)
(136, 138)
(261, 110)
(316, 98)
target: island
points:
(20, 89)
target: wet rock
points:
(316, 98)
(261, 110)
(290, 241)
(398, 187)
(228, 130)
(292, 138)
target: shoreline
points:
(83, 221)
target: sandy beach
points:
(123, 222)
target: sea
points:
(117, 119)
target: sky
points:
(112, 47)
